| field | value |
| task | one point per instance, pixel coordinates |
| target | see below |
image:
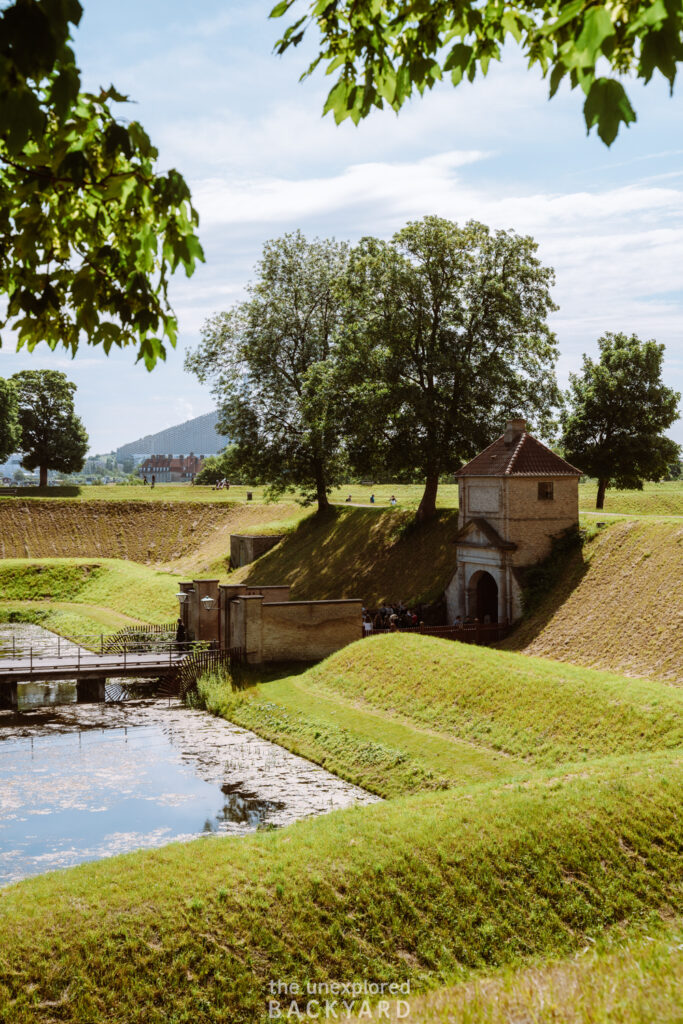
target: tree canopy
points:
(383, 50)
(617, 409)
(269, 361)
(448, 337)
(10, 432)
(52, 435)
(91, 230)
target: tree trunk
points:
(43, 477)
(602, 487)
(321, 489)
(427, 507)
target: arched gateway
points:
(514, 498)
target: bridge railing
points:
(130, 652)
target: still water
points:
(85, 781)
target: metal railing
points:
(468, 633)
(133, 653)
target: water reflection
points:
(81, 782)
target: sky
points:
(261, 160)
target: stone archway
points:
(483, 597)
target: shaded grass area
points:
(432, 887)
(109, 587)
(618, 604)
(626, 978)
(381, 753)
(368, 553)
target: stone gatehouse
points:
(514, 498)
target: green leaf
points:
(280, 8)
(607, 106)
(597, 27)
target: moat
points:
(81, 782)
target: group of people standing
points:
(390, 617)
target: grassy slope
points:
(168, 532)
(84, 595)
(428, 886)
(619, 605)
(634, 977)
(367, 553)
(399, 713)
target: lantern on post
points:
(208, 603)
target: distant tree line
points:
(37, 418)
(405, 357)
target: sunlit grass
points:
(632, 978)
(440, 712)
(429, 887)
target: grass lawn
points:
(664, 498)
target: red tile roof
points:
(525, 456)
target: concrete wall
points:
(246, 548)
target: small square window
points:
(545, 491)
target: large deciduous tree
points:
(10, 432)
(447, 336)
(616, 411)
(52, 435)
(269, 362)
(383, 50)
(91, 230)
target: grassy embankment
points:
(398, 714)
(618, 604)
(173, 534)
(430, 887)
(562, 820)
(637, 977)
(76, 596)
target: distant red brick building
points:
(171, 468)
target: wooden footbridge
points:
(156, 657)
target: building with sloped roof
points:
(515, 497)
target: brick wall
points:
(511, 505)
(292, 630)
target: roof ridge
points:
(518, 448)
